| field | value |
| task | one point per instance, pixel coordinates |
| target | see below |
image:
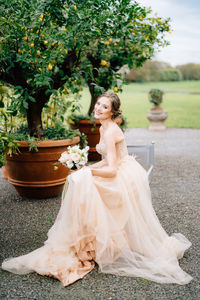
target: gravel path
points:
(175, 192)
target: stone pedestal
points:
(157, 118)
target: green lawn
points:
(181, 100)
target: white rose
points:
(69, 164)
(75, 157)
(62, 160)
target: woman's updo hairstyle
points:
(115, 103)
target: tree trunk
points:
(93, 98)
(34, 119)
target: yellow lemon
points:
(50, 67)
(19, 51)
(107, 43)
(74, 7)
(166, 25)
(45, 42)
(52, 44)
(38, 52)
(25, 38)
(103, 62)
(41, 18)
(40, 69)
(22, 28)
(36, 61)
(51, 106)
(66, 51)
(133, 33)
(170, 31)
(115, 44)
(32, 44)
(37, 31)
(141, 18)
(110, 40)
(31, 30)
(75, 81)
(59, 43)
(159, 20)
(116, 89)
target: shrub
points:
(170, 75)
(155, 96)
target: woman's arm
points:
(110, 170)
(99, 164)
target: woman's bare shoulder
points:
(115, 133)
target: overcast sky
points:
(185, 23)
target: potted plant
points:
(156, 115)
(30, 161)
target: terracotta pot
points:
(91, 130)
(32, 173)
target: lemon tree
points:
(129, 34)
(52, 45)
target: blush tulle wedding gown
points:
(109, 221)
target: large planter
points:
(32, 173)
(157, 118)
(91, 130)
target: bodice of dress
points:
(121, 149)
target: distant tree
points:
(148, 72)
(171, 74)
(190, 71)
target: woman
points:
(107, 216)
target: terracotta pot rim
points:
(51, 143)
(88, 122)
(95, 121)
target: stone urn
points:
(157, 117)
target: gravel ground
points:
(175, 192)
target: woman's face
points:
(102, 109)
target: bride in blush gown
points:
(106, 216)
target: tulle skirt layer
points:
(110, 221)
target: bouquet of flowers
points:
(74, 158)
